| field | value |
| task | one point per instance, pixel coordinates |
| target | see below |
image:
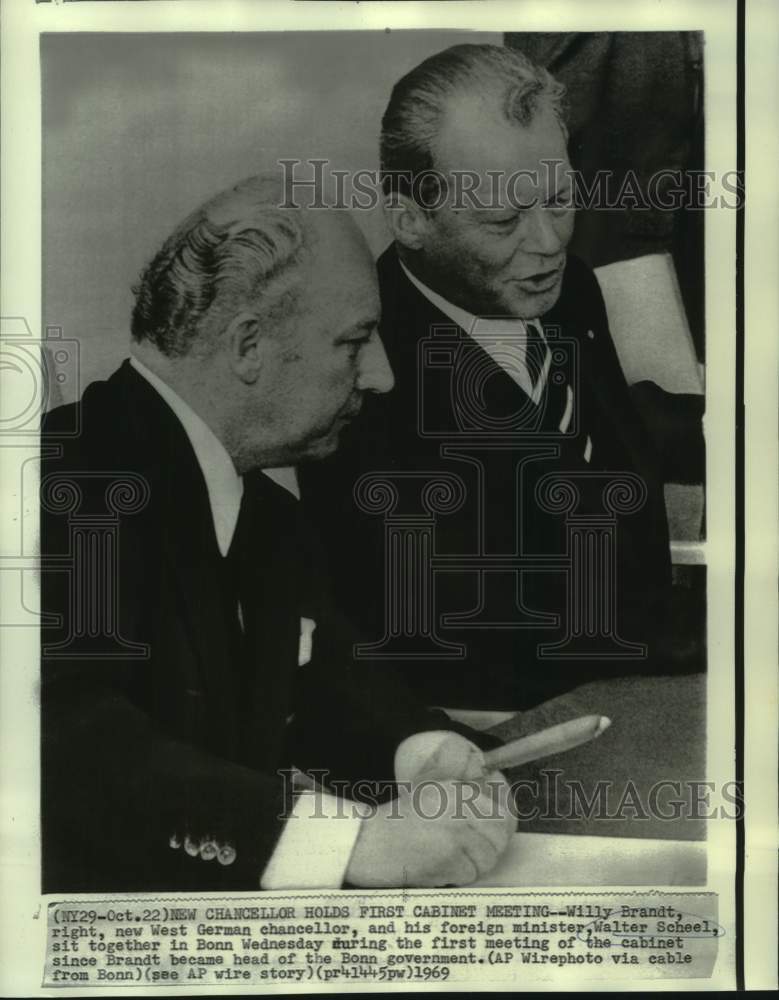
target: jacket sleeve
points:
(124, 802)
(120, 785)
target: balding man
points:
(508, 383)
(171, 721)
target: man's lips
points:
(350, 413)
(541, 281)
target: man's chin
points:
(321, 447)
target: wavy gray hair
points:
(238, 248)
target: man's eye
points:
(505, 224)
(353, 347)
(561, 201)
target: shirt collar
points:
(491, 335)
(466, 320)
(224, 485)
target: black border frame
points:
(739, 692)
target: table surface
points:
(658, 734)
(548, 859)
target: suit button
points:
(192, 848)
(208, 850)
(591, 335)
(227, 854)
(175, 841)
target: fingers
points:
(456, 869)
(473, 855)
(451, 833)
(478, 838)
(498, 791)
(483, 805)
(496, 831)
(473, 769)
(481, 851)
(490, 813)
(454, 757)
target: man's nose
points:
(544, 233)
(375, 371)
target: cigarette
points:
(550, 741)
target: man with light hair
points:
(184, 680)
(506, 377)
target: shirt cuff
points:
(316, 844)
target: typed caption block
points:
(408, 939)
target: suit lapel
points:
(500, 395)
(189, 557)
(601, 384)
(199, 577)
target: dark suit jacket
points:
(428, 412)
(169, 736)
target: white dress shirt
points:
(505, 341)
(318, 838)
(224, 485)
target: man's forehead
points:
(341, 265)
(475, 135)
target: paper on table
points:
(535, 859)
(649, 324)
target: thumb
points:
(455, 757)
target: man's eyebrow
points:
(509, 211)
(565, 184)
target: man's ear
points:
(246, 346)
(407, 221)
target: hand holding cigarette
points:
(550, 741)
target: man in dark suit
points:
(548, 565)
(190, 657)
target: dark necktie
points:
(264, 567)
(560, 407)
(241, 597)
(553, 396)
(266, 525)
